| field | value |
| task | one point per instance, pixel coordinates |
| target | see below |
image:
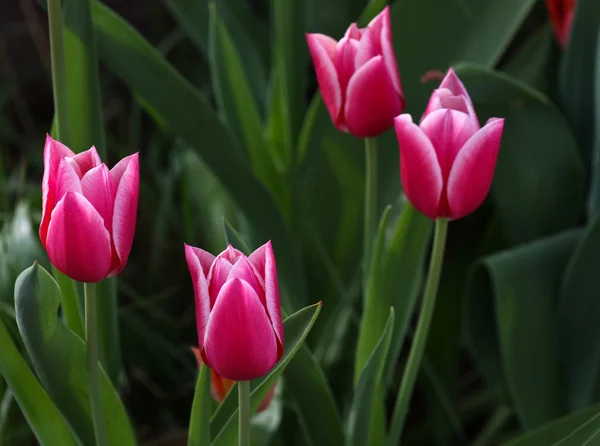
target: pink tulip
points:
(88, 212)
(220, 387)
(447, 162)
(238, 313)
(358, 77)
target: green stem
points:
(59, 71)
(370, 200)
(420, 339)
(244, 409)
(91, 335)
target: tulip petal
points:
(371, 100)
(78, 244)
(448, 130)
(263, 260)
(243, 270)
(387, 49)
(473, 170)
(217, 276)
(419, 168)
(54, 152)
(231, 254)
(87, 160)
(368, 47)
(353, 32)
(125, 210)
(66, 179)
(206, 259)
(344, 61)
(201, 297)
(323, 49)
(453, 83)
(99, 188)
(240, 343)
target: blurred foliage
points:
(220, 100)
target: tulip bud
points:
(238, 314)
(447, 162)
(561, 15)
(358, 77)
(88, 212)
(220, 387)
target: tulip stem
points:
(244, 409)
(420, 338)
(91, 336)
(370, 200)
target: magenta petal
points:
(368, 47)
(54, 152)
(240, 343)
(387, 50)
(201, 297)
(78, 244)
(272, 295)
(371, 100)
(243, 270)
(353, 32)
(447, 130)
(473, 170)
(217, 276)
(323, 49)
(67, 180)
(344, 61)
(99, 188)
(87, 160)
(453, 83)
(125, 211)
(231, 254)
(206, 258)
(419, 168)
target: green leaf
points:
(40, 412)
(296, 328)
(190, 116)
(240, 111)
(469, 30)
(315, 404)
(366, 395)
(538, 160)
(199, 430)
(306, 383)
(394, 279)
(556, 430)
(290, 58)
(59, 359)
(579, 312)
(109, 346)
(577, 76)
(512, 323)
(584, 434)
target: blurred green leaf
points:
(361, 417)
(448, 32)
(538, 185)
(584, 434)
(594, 198)
(199, 428)
(512, 323)
(42, 415)
(189, 115)
(577, 77)
(531, 61)
(550, 433)
(579, 313)
(290, 56)
(239, 109)
(296, 328)
(58, 356)
(265, 424)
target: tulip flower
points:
(447, 162)
(220, 387)
(238, 314)
(88, 212)
(358, 77)
(561, 15)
